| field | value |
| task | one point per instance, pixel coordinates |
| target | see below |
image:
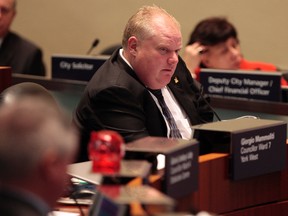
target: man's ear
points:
(133, 45)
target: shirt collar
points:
(122, 56)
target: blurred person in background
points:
(22, 55)
(214, 44)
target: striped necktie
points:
(174, 131)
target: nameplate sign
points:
(181, 162)
(257, 85)
(256, 146)
(73, 67)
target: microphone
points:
(94, 44)
(201, 95)
(215, 113)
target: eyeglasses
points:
(5, 10)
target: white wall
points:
(70, 26)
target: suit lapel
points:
(184, 96)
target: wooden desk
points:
(218, 194)
(263, 195)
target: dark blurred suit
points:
(14, 203)
(22, 55)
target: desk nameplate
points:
(256, 146)
(73, 67)
(181, 162)
(257, 85)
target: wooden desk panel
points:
(278, 208)
(218, 194)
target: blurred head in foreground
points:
(37, 142)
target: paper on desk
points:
(61, 213)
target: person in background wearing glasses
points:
(214, 44)
(23, 56)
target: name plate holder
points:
(129, 169)
(258, 85)
(256, 146)
(114, 200)
(181, 162)
(76, 67)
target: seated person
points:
(121, 96)
(37, 143)
(214, 44)
(23, 56)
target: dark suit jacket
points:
(115, 99)
(13, 204)
(23, 56)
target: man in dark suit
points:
(120, 95)
(22, 55)
(37, 143)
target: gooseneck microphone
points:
(94, 44)
(201, 94)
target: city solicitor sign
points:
(75, 67)
(242, 84)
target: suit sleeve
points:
(35, 65)
(114, 109)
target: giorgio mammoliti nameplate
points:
(256, 146)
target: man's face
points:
(7, 13)
(156, 57)
(226, 55)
